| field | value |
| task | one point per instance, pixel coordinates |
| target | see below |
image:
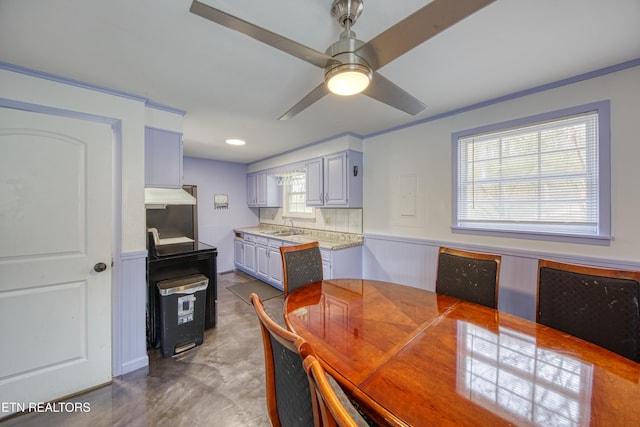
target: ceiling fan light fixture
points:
(348, 79)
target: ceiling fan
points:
(350, 64)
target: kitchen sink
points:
(282, 233)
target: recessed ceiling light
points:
(233, 141)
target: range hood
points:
(159, 197)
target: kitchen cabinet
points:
(249, 254)
(335, 180)
(313, 179)
(275, 264)
(263, 190)
(252, 189)
(259, 256)
(162, 158)
(268, 261)
(238, 252)
(262, 258)
(342, 263)
(326, 263)
(244, 253)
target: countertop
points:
(326, 239)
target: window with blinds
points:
(295, 196)
(539, 177)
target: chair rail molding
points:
(413, 262)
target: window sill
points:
(599, 240)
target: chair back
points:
(301, 264)
(289, 398)
(469, 276)
(332, 412)
(596, 304)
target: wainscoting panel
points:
(413, 262)
(129, 314)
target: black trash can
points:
(182, 312)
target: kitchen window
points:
(295, 196)
(543, 177)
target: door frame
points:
(116, 210)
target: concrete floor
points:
(220, 383)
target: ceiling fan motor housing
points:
(347, 11)
(343, 51)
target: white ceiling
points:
(233, 86)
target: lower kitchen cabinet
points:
(269, 262)
(244, 253)
(262, 258)
(238, 251)
(326, 263)
(342, 263)
(259, 256)
(275, 264)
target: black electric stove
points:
(176, 261)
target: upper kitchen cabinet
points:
(162, 158)
(263, 190)
(315, 188)
(335, 180)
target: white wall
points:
(215, 227)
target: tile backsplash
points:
(340, 220)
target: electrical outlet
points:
(327, 220)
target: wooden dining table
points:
(410, 357)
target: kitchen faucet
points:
(292, 227)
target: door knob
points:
(100, 267)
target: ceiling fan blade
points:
(386, 91)
(265, 36)
(313, 96)
(417, 28)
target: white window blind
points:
(295, 196)
(536, 178)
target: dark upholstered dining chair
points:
(290, 401)
(469, 276)
(301, 264)
(292, 397)
(599, 305)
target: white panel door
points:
(55, 226)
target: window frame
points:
(286, 213)
(603, 234)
